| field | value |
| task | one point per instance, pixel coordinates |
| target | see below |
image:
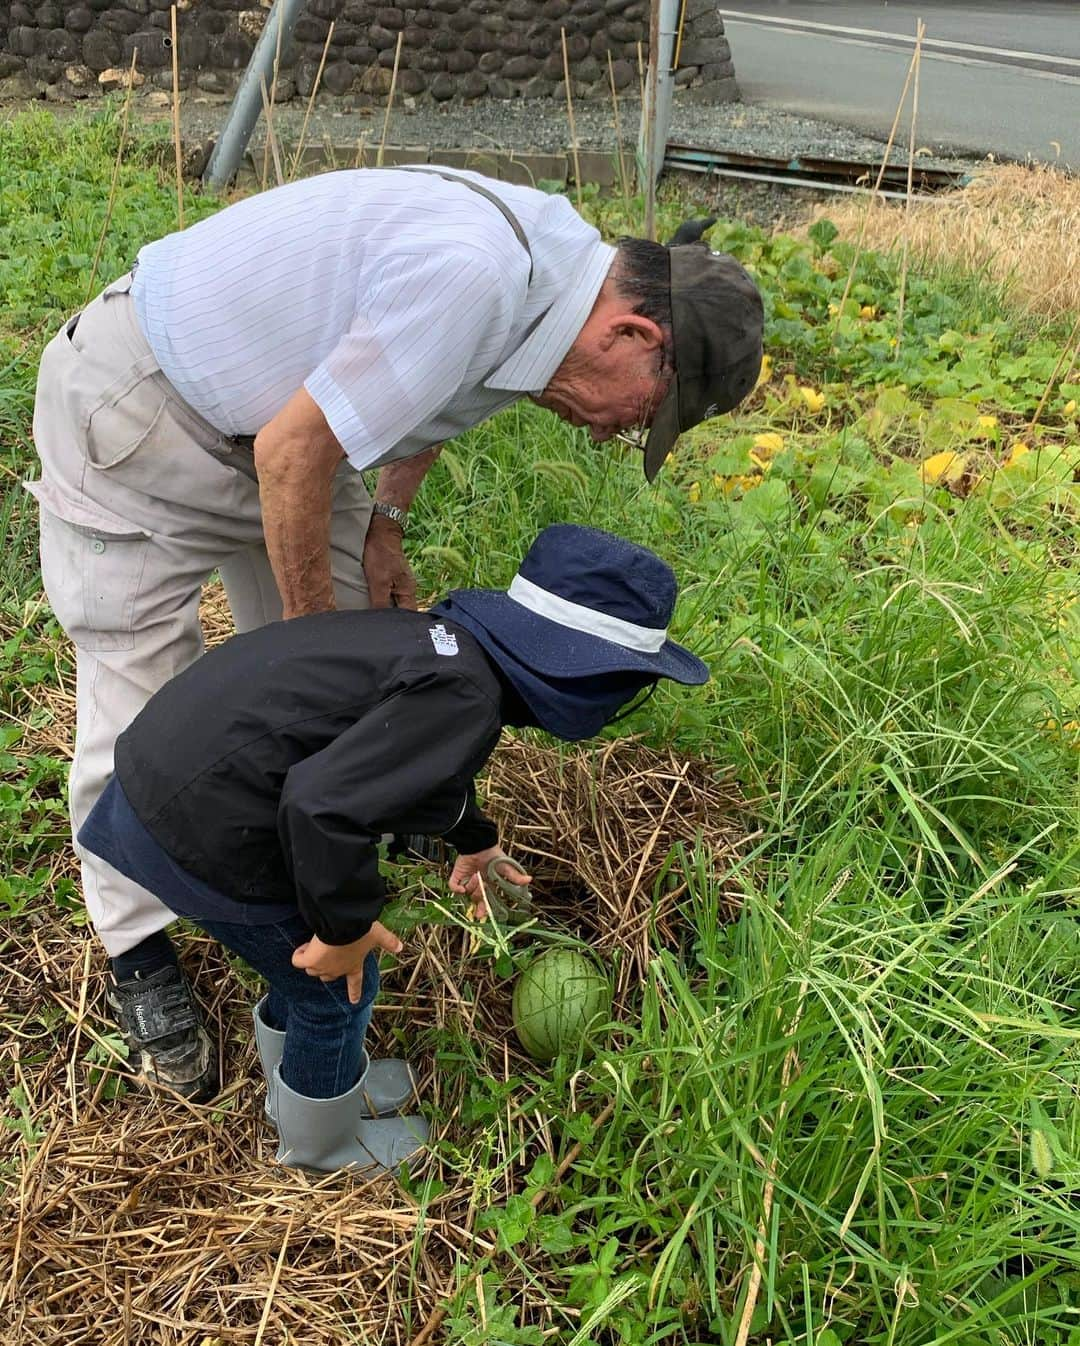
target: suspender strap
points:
(501, 206)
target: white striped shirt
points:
(400, 301)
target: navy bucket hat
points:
(585, 606)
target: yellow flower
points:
(814, 400)
(1018, 450)
(986, 426)
(892, 341)
(868, 311)
(1070, 407)
(747, 483)
(943, 467)
(834, 309)
(694, 492)
(769, 442)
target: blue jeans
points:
(324, 1033)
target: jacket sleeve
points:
(473, 831)
(405, 766)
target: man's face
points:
(611, 381)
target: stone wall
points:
(450, 49)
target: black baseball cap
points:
(716, 322)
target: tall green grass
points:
(868, 1083)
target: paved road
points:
(1000, 77)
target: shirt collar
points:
(530, 367)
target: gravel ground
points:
(541, 125)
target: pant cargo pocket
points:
(91, 567)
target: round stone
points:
(23, 41)
(154, 54)
(338, 77)
(521, 67)
(119, 21)
(382, 39)
(473, 85)
(477, 40)
(376, 80)
(311, 29)
(623, 74)
(78, 19)
(411, 82)
(101, 49)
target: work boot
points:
(326, 1134)
(166, 1041)
(390, 1084)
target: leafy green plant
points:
(867, 1085)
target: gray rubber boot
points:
(271, 1044)
(389, 1086)
(327, 1134)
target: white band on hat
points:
(645, 639)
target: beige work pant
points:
(141, 500)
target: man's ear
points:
(638, 329)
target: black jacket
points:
(272, 765)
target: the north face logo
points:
(445, 641)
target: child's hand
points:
(328, 962)
(467, 876)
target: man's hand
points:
(328, 962)
(468, 871)
(391, 582)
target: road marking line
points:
(1025, 71)
(795, 24)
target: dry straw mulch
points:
(143, 1219)
(1018, 225)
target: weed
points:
(867, 1084)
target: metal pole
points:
(647, 140)
(665, 77)
(246, 106)
(656, 112)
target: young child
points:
(251, 793)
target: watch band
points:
(394, 513)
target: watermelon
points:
(559, 998)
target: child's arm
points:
(406, 765)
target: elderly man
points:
(214, 410)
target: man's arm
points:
(296, 456)
(390, 579)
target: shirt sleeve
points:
(405, 766)
(473, 831)
(429, 325)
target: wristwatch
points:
(393, 513)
